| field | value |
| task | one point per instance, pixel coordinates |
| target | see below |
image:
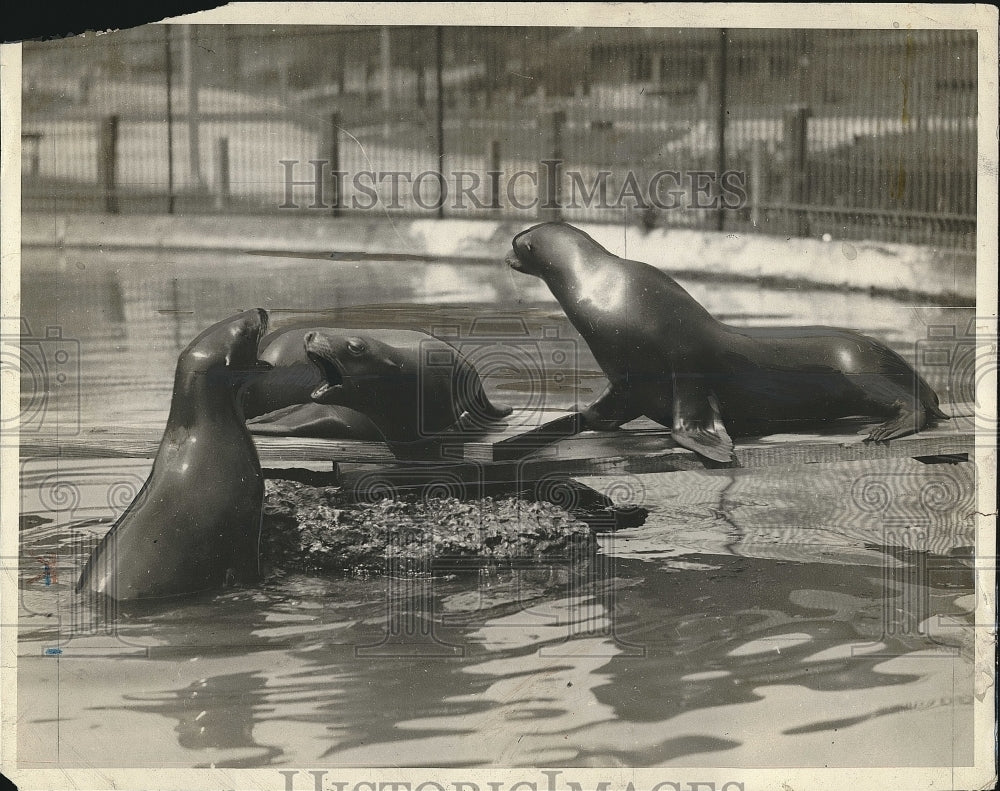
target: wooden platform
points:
(547, 441)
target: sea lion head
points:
(542, 249)
(231, 343)
(226, 350)
(357, 370)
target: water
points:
(780, 617)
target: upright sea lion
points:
(411, 385)
(667, 358)
(195, 524)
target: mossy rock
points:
(321, 528)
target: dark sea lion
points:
(195, 525)
(667, 358)
(411, 385)
(279, 403)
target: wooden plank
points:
(519, 434)
(646, 444)
(541, 441)
(645, 447)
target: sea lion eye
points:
(356, 347)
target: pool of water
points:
(778, 617)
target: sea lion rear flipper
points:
(473, 401)
(697, 422)
(487, 409)
(910, 418)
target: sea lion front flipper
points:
(697, 422)
(318, 421)
(611, 409)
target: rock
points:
(320, 528)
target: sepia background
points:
(783, 617)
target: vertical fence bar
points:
(169, 67)
(797, 158)
(189, 61)
(720, 141)
(550, 171)
(385, 67)
(439, 79)
(333, 186)
(221, 173)
(493, 172)
(757, 184)
(107, 162)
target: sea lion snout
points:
(520, 256)
(247, 334)
(322, 354)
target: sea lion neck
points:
(579, 276)
(200, 395)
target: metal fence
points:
(851, 133)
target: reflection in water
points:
(748, 621)
(216, 713)
(559, 666)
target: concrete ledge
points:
(718, 256)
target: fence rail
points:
(853, 133)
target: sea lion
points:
(411, 385)
(195, 525)
(278, 402)
(667, 358)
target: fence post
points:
(758, 184)
(493, 172)
(169, 68)
(550, 181)
(333, 151)
(107, 162)
(221, 173)
(189, 63)
(720, 132)
(439, 115)
(797, 160)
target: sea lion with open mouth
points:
(195, 525)
(667, 358)
(279, 401)
(411, 386)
